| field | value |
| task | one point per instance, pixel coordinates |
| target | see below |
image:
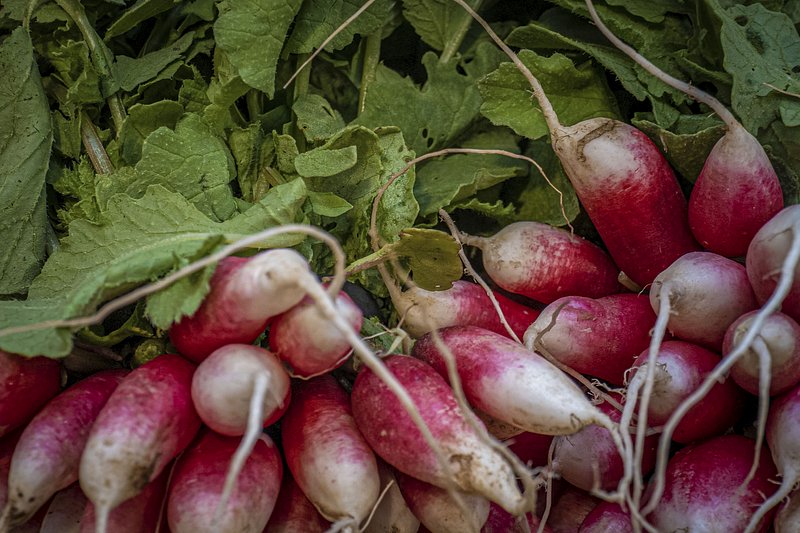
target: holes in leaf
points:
(741, 20)
(756, 40)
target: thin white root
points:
(789, 480)
(101, 513)
(347, 524)
(255, 426)
(548, 498)
(764, 377)
(772, 305)
(382, 495)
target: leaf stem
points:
(94, 146)
(453, 44)
(372, 57)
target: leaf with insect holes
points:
(316, 118)
(136, 241)
(432, 256)
(25, 139)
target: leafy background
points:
(136, 136)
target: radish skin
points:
(140, 514)
(65, 512)
(393, 435)
(392, 514)
(787, 520)
(500, 521)
(25, 386)
(437, 511)
(570, 510)
(49, 450)
(293, 512)
(606, 517)
(146, 422)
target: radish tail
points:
(764, 376)
(101, 521)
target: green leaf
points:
(252, 33)
(318, 19)
(326, 162)
(327, 204)
(142, 120)
(25, 140)
(135, 241)
(74, 68)
(432, 256)
(139, 12)
(538, 201)
(130, 72)
(576, 92)
(136, 325)
(316, 118)
(436, 21)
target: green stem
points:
(253, 100)
(452, 46)
(372, 57)
(301, 84)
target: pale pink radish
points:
(703, 487)
(392, 514)
(545, 263)
(463, 304)
(48, 453)
(570, 509)
(245, 293)
(511, 383)
(499, 521)
(391, 432)
(436, 509)
(196, 488)
(600, 337)
(327, 454)
(738, 190)
(141, 514)
(605, 518)
(25, 386)
(308, 342)
(146, 422)
(65, 512)
(293, 512)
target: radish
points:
(606, 517)
(198, 483)
(293, 512)
(531, 448)
(65, 512)
(140, 514)
(25, 386)
(600, 337)
(787, 520)
(307, 341)
(545, 263)
(390, 431)
(497, 428)
(463, 304)
(146, 422)
(392, 514)
(703, 487)
(245, 293)
(737, 191)
(438, 512)
(327, 454)
(570, 510)
(500, 521)
(48, 453)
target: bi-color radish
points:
(545, 263)
(143, 513)
(499, 521)
(48, 453)
(436, 509)
(25, 386)
(390, 431)
(294, 512)
(737, 190)
(392, 514)
(146, 422)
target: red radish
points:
(511, 383)
(392, 514)
(245, 293)
(781, 337)
(737, 191)
(570, 510)
(707, 292)
(146, 422)
(196, 488)
(436, 509)
(463, 304)
(702, 487)
(25, 386)
(600, 337)
(545, 263)
(681, 368)
(293, 512)
(394, 436)
(531, 448)
(500, 521)
(327, 454)
(140, 514)
(65, 512)
(48, 453)
(308, 342)
(606, 517)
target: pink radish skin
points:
(736, 193)
(146, 422)
(25, 386)
(438, 512)
(65, 512)
(463, 304)
(600, 337)
(197, 484)
(708, 293)
(702, 487)
(390, 431)
(327, 454)
(222, 387)
(245, 293)
(48, 453)
(511, 383)
(680, 369)
(570, 510)
(392, 514)
(140, 514)
(589, 459)
(781, 334)
(307, 341)
(606, 517)
(500, 521)
(293, 512)
(531, 448)
(766, 254)
(546, 263)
